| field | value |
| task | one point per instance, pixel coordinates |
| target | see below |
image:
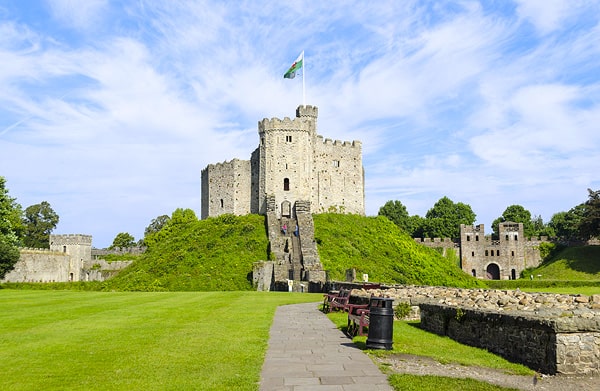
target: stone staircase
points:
(294, 263)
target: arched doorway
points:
(493, 271)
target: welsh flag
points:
(291, 73)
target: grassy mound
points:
(215, 254)
(572, 263)
(377, 247)
(571, 267)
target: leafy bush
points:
(549, 250)
(402, 310)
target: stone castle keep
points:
(292, 173)
(292, 163)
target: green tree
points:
(123, 240)
(589, 226)
(397, 213)
(445, 218)
(39, 221)
(540, 228)
(515, 214)
(183, 216)
(10, 229)
(156, 225)
(566, 224)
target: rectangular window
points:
(336, 163)
(288, 139)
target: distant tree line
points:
(443, 220)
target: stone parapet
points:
(543, 344)
(540, 304)
(550, 333)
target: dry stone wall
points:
(550, 333)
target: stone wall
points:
(550, 333)
(547, 345)
(101, 270)
(40, 265)
(70, 258)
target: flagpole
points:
(303, 83)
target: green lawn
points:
(410, 339)
(405, 382)
(57, 340)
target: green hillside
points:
(572, 263)
(377, 247)
(216, 254)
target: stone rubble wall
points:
(40, 265)
(101, 270)
(550, 333)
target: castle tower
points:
(286, 159)
(226, 188)
(291, 163)
(78, 247)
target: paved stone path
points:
(308, 353)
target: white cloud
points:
(546, 15)
(78, 14)
(123, 105)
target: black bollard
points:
(381, 323)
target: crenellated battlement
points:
(307, 111)
(228, 164)
(305, 121)
(339, 143)
(286, 124)
(433, 240)
(30, 250)
(71, 239)
(472, 228)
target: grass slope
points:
(572, 263)
(214, 254)
(377, 247)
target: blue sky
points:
(109, 110)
